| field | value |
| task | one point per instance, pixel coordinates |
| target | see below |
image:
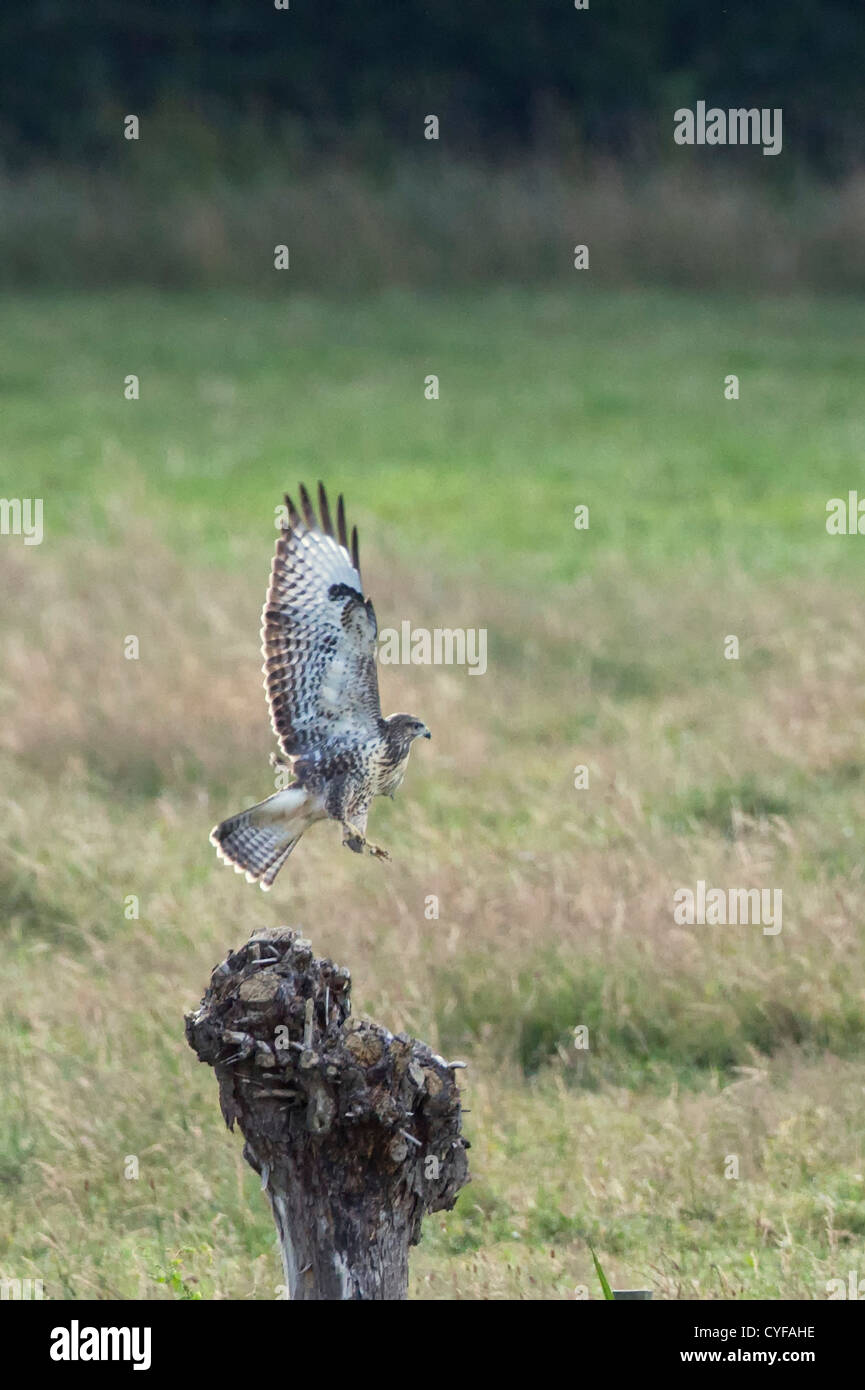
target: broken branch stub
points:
(355, 1133)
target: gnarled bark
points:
(354, 1132)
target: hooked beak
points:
(427, 734)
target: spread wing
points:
(318, 635)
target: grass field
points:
(606, 649)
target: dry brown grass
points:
(555, 909)
(419, 225)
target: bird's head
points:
(405, 729)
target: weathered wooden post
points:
(355, 1133)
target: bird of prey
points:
(318, 642)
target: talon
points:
(353, 838)
(377, 852)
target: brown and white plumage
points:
(318, 634)
(318, 642)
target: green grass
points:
(555, 904)
(547, 400)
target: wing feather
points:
(318, 635)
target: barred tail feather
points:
(258, 840)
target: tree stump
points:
(355, 1133)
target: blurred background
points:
(557, 388)
(553, 121)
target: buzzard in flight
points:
(318, 642)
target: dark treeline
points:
(502, 75)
